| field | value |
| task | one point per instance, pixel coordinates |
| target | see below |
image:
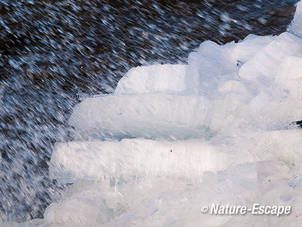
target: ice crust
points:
(174, 138)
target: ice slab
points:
(152, 79)
(211, 64)
(238, 86)
(296, 25)
(263, 66)
(143, 115)
(136, 158)
(234, 107)
(167, 201)
(138, 182)
(289, 77)
(208, 66)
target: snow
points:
(174, 138)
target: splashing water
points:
(52, 54)
(174, 138)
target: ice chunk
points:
(289, 76)
(146, 115)
(156, 201)
(247, 48)
(265, 64)
(212, 64)
(208, 66)
(85, 205)
(137, 158)
(296, 25)
(283, 145)
(190, 158)
(152, 79)
(148, 184)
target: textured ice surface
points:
(155, 78)
(136, 158)
(170, 201)
(222, 89)
(142, 115)
(296, 25)
(174, 138)
(264, 65)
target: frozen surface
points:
(177, 202)
(127, 159)
(222, 90)
(174, 138)
(154, 78)
(296, 25)
(142, 115)
(265, 64)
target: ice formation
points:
(174, 138)
(296, 25)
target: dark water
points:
(53, 52)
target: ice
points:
(289, 76)
(189, 159)
(154, 78)
(265, 64)
(208, 66)
(212, 64)
(168, 201)
(296, 25)
(283, 145)
(249, 47)
(138, 158)
(223, 89)
(142, 115)
(174, 138)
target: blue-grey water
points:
(52, 53)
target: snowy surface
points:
(174, 138)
